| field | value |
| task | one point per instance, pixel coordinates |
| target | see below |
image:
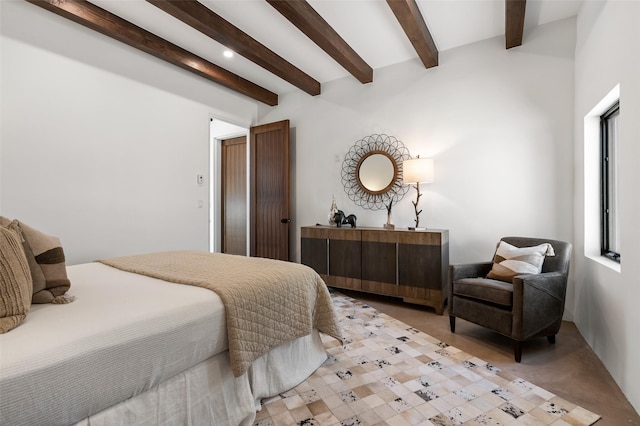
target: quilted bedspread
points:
(267, 302)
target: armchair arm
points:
(553, 283)
(469, 270)
(538, 304)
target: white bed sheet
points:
(124, 334)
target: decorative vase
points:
(332, 211)
(389, 224)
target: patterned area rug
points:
(389, 373)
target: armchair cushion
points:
(510, 260)
(487, 290)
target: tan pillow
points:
(37, 277)
(15, 281)
(510, 260)
(46, 261)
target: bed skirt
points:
(209, 394)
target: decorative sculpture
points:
(340, 219)
(351, 220)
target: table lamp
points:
(414, 172)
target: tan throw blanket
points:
(267, 302)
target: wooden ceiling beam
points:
(203, 19)
(412, 22)
(514, 22)
(302, 15)
(102, 21)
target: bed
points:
(139, 349)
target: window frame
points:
(608, 168)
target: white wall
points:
(101, 144)
(606, 309)
(498, 123)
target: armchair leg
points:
(552, 339)
(452, 323)
(517, 350)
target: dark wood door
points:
(234, 196)
(269, 190)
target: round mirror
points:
(376, 172)
(372, 171)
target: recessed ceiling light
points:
(228, 54)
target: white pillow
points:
(510, 261)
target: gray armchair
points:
(531, 305)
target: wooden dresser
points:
(412, 265)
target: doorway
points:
(237, 209)
(233, 194)
(250, 179)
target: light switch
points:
(200, 179)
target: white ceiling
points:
(368, 26)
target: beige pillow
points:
(510, 260)
(15, 281)
(37, 277)
(46, 261)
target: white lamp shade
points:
(417, 170)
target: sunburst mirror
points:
(372, 171)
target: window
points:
(609, 183)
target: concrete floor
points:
(569, 369)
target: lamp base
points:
(413, 228)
